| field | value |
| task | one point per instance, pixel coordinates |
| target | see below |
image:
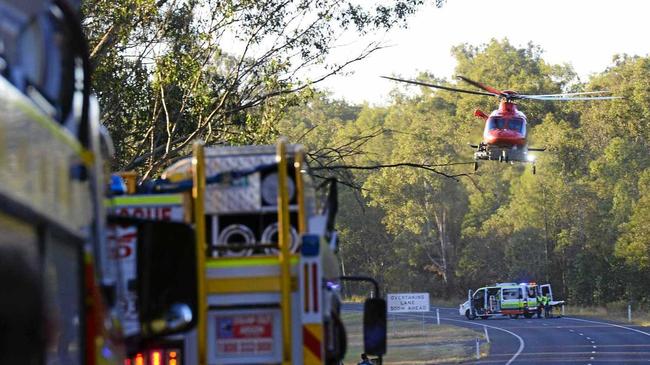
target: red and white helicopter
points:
(504, 136)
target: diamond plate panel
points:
(236, 196)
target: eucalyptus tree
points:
(170, 71)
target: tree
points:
(579, 223)
(634, 243)
(170, 71)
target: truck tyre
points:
(529, 315)
(514, 316)
(471, 316)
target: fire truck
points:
(268, 280)
(59, 280)
(511, 299)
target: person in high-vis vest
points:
(546, 301)
(540, 306)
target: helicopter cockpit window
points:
(496, 123)
(515, 124)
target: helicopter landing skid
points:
(501, 154)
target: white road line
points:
(588, 338)
(581, 334)
(521, 340)
(610, 324)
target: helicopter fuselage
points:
(504, 136)
(505, 127)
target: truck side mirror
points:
(166, 281)
(374, 326)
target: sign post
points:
(409, 303)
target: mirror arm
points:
(364, 279)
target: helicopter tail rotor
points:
(479, 114)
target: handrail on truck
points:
(198, 200)
(284, 242)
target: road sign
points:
(408, 302)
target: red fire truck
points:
(60, 283)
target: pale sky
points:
(583, 33)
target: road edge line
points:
(609, 324)
(521, 340)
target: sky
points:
(583, 33)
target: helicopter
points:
(504, 135)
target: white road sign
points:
(408, 302)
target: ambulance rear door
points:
(546, 290)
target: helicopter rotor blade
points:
(571, 94)
(510, 95)
(440, 86)
(487, 88)
(569, 98)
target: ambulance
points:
(510, 299)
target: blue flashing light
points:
(310, 245)
(117, 187)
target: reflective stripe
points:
(248, 271)
(511, 305)
(312, 338)
(57, 131)
(260, 284)
(232, 262)
(154, 199)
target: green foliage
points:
(634, 242)
(168, 72)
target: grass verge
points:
(411, 343)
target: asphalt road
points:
(566, 340)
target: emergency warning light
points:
(139, 359)
(310, 245)
(172, 358)
(156, 357)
